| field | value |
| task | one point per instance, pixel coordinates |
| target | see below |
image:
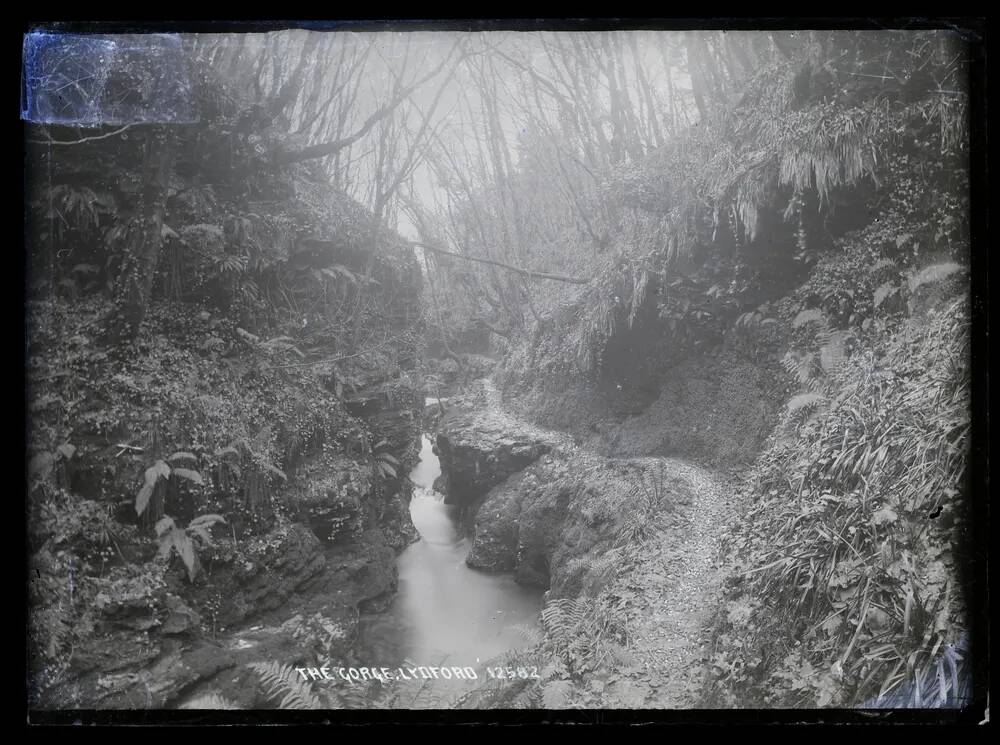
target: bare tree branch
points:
(527, 273)
(323, 149)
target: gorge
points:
(574, 370)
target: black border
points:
(972, 29)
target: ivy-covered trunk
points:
(141, 254)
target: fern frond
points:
(808, 316)
(880, 265)
(209, 701)
(528, 698)
(833, 353)
(803, 402)
(933, 273)
(561, 617)
(282, 680)
(530, 634)
(800, 366)
(556, 693)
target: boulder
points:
(477, 453)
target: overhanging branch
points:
(526, 273)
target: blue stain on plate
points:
(94, 80)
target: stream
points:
(444, 613)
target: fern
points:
(801, 367)
(561, 618)
(529, 634)
(387, 464)
(556, 694)
(157, 471)
(881, 264)
(281, 680)
(833, 351)
(528, 697)
(172, 538)
(934, 273)
(803, 403)
(209, 701)
(808, 316)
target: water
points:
(444, 613)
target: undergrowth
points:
(845, 573)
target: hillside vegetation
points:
(219, 418)
(781, 292)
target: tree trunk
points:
(141, 256)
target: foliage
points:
(209, 701)
(853, 545)
(385, 461)
(172, 538)
(286, 686)
(648, 509)
(80, 571)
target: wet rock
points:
(556, 523)
(392, 410)
(497, 527)
(477, 454)
(180, 619)
(329, 491)
(295, 559)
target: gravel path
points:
(677, 579)
(680, 579)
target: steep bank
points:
(803, 325)
(230, 486)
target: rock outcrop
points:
(557, 523)
(479, 450)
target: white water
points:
(444, 613)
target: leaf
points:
(186, 549)
(66, 450)
(153, 474)
(885, 515)
(277, 472)
(163, 524)
(207, 520)
(142, 498)
(202, 532)
(166, 543)
(181, 455)
(160, 470)
(226, 452)
(190, 475)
